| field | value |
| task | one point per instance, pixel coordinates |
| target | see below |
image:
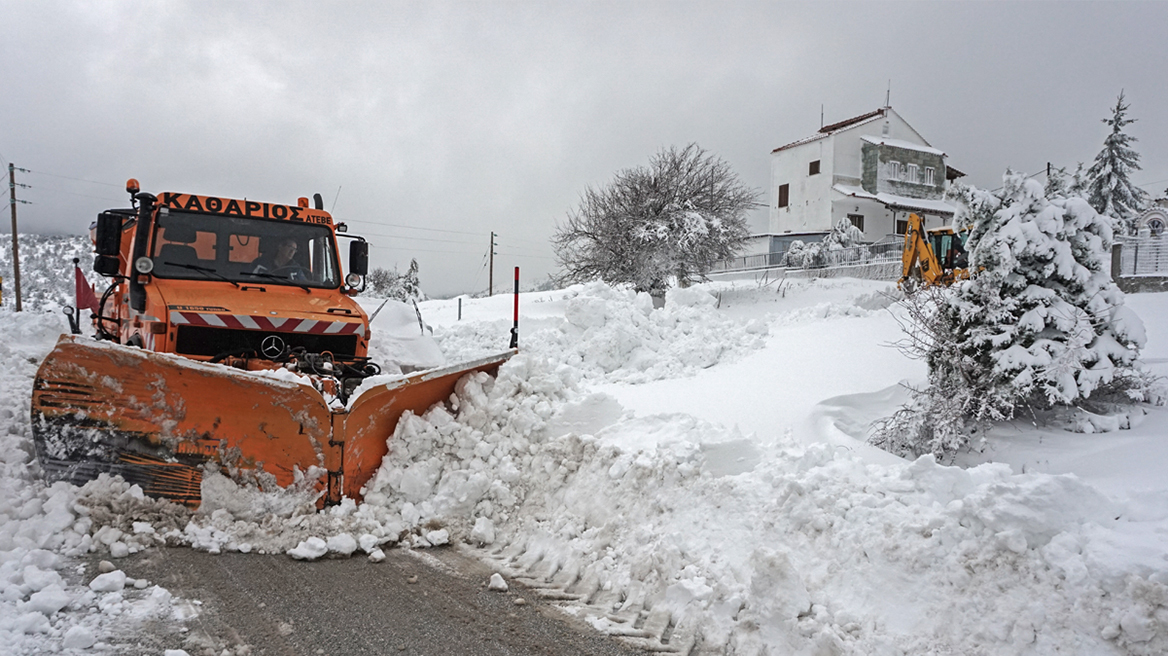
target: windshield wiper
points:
(261, 274)
(272, 276)
(202, 269)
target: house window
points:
(913, 173)
(813, 168)
(894, 170)
(857, 220)
(929, 175)
(784, 195)
(901, 226)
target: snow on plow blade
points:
(155, 419)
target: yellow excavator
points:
(931, 257)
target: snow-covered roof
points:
(899, 202)
(829, 130)
(900, 143)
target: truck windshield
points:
(210, 247)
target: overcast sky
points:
(439, 123)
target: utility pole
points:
(491, 275)
(15, 248)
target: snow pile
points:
(787, 547)
(400, 341)
(47, 600)
(614, 334)
(475, 460)
(247, 519)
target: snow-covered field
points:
(692, 476)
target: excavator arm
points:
(921, 266)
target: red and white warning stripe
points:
(248, 322)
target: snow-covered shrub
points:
(399, 286)
(840, 246)
(1039, 324)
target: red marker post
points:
(515, 327)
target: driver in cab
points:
(282, 262)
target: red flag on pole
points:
(86, 299)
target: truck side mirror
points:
(359, 257)
(108, 239)
(108, 243)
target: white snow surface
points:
(704, 461)
(48, 599)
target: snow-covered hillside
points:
(693, 477)
(46, 270)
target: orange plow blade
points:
(155, 419)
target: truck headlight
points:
(353, 280)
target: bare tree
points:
(672, 219)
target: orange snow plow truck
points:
(226, 335)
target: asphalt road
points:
(429, 603)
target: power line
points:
(528, 241)
(72, 193)
(447, 241)
(420, 250)
(394, 225)
(444, 241)
(108, 184)
(538, 257)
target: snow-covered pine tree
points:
(1056, 182)
(1110, 190)
(1039, 324)
(1079, 182)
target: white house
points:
(872, 169)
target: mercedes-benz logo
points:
(272, 347)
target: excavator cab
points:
(949, 249)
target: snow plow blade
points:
(155, 419)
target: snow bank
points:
(47, 600)
(735, 543)
(399, 340)
(616, 335)
(786, 547)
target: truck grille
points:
(207, 341)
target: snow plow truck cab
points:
(228, 334)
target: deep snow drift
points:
(693, 475)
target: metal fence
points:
(1143, 256)
(812, 257)
(1139, 257)
(748, 263)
